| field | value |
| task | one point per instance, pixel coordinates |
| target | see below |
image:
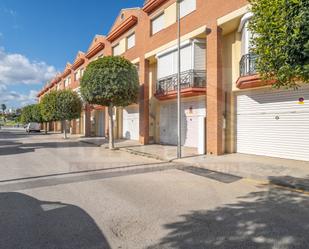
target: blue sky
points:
(38, 37)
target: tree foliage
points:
(68, 105)
(61, 105)
(31, 113)
(3, 107)
(111, 80)
(49, 106)
(281, 40)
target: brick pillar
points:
(106, 118)
(73, 126)
(214, 92)
(144, 101)
(87, 120)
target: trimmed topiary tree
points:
(281, 40)
(111, 81)
(31, 113)
(48, 108)
(26, 114)
(68, 107)
(63, 105)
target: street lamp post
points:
(178, 83)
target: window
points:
(157, 24)
(67, 81)
(167, 64)
(76, 76)
(131, 41)
(246, 35)
(116, 50)
(81, 72)
(186, 7)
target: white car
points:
(33, 127)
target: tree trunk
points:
(45, 129)
(111, 127)
(65, 129)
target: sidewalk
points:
(283, 172)
(156, 151)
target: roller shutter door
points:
(273, 123)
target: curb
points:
(144, 154)
(88, 142)
(288, 182)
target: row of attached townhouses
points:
(226, 107)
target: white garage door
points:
(131, 123)
(193, 114)
(273, 123)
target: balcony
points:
(249, 77)
(247, 65)
(192, 83)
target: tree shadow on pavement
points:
(301, 183)
(12, 147)
(30, 223)
(268, 219)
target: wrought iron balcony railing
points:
(247, 64)
(188, 79)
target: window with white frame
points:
(81, 72)
(131, 41)
(157, 24)
(116, 50)
(246, 35)
(66, 83)
(167, 63)
(186, 7)
(76, 75)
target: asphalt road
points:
(65, 194)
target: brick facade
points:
(201, 23)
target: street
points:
(63, 194)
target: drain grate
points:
(217, 176)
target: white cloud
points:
(15, 99)
(17, 68)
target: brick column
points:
(214, 92)
(73, 126)
(144, 101)
(87, 120)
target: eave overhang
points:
(122, 28)
(78, 63)
(66, 73)
(152, 5)
(96, 49)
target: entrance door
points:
(131, 123)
